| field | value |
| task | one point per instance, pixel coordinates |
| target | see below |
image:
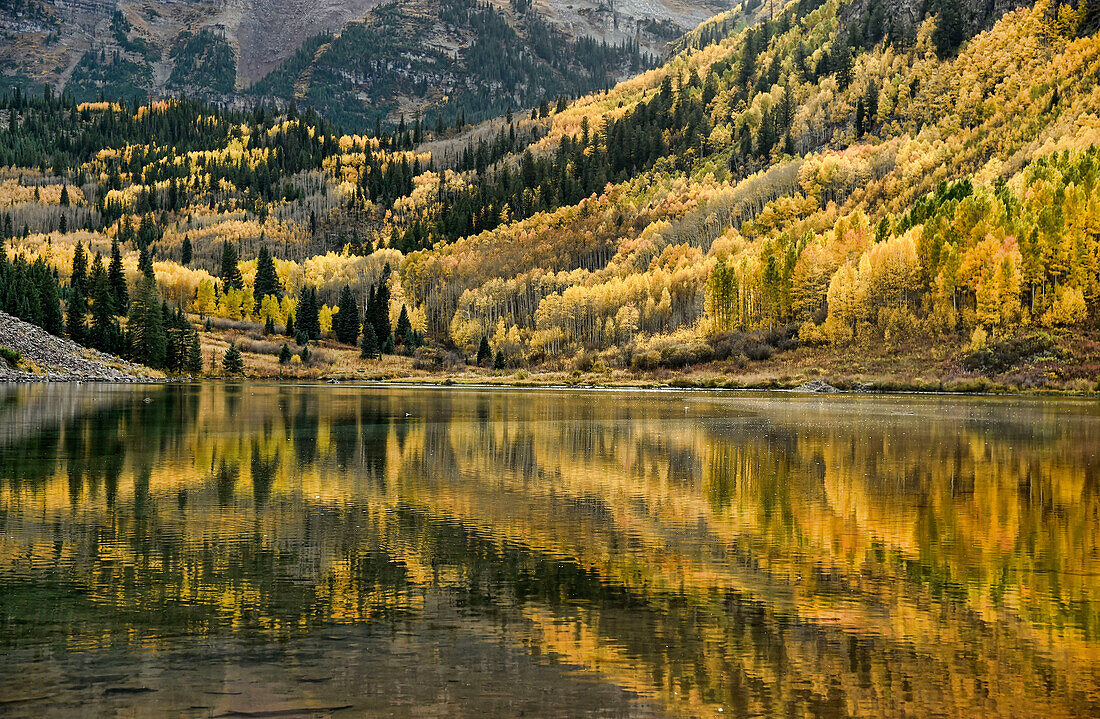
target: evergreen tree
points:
(484, 353)
(186, 251)
(231, 271)
(269, 326)
(404, 327)
(498, 361)
(148, 341)
(145, 263)
(346, 322)
(233, 363)
(117, 280)
(369, 345)
(50, 318)
(104, 334)
(194, 354)
(290, 330)
(267, 280)
(284, 354)
(74, 318)
(308, 320)
(79, 278)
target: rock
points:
(817, 387)
(54, 359)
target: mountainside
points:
(218, 49)
(815, 190)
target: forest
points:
(824, 181)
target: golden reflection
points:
(759, 554)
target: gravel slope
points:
(53, 359)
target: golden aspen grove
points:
(801, 190)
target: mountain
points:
(410, 53)
(830, 189)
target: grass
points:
(1072, 366)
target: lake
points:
(208, 550)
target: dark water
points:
(212, 550)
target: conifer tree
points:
(308, 321)
(79, 278)
(484, 353)
(148, 342)
(267, 280)
(117, 279)
(194, 354)
(233, 363)
(231, 271)
(404, 327)
(284, 354)
(368, 347)
(186, 251)
(346, 322)
(104, 334)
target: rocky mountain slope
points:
(218, 49)
(32, 354)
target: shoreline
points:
(533, 383)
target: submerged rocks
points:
(45, 357)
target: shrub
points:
(12, 357)
(1000, 356)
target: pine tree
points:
(308, 320)
(148, 342)
(74, 318)
(233, 363)
(404, 327)
(285, 354)
(117, 279)
(267, 280)
(369, 345)
(194, 354)
(498, 361)
(484, 353)
(231, 271)
(79, 278)
(346, 322)
(290, 331)
(269, 326)
(104, 334)
(49, 303)
(64, 196)
(186, 251)
(145, 263)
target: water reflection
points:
(453, 552)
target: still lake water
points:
(274, 550)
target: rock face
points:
(53, 359)
(56, 41)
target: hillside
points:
(306, 50)
(31, 354)
(808, 194)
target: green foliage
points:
(285, 354)
(345, 324)
(29, 291)
(307, 321)
(484, 353)
(368, 347)
(1003, 355)
(12, 357)
(230, 267)
(233, 363)
(267, 280)
(503, 67)
(204, 63)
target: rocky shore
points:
(45, 358)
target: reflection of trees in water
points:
(724, 556)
